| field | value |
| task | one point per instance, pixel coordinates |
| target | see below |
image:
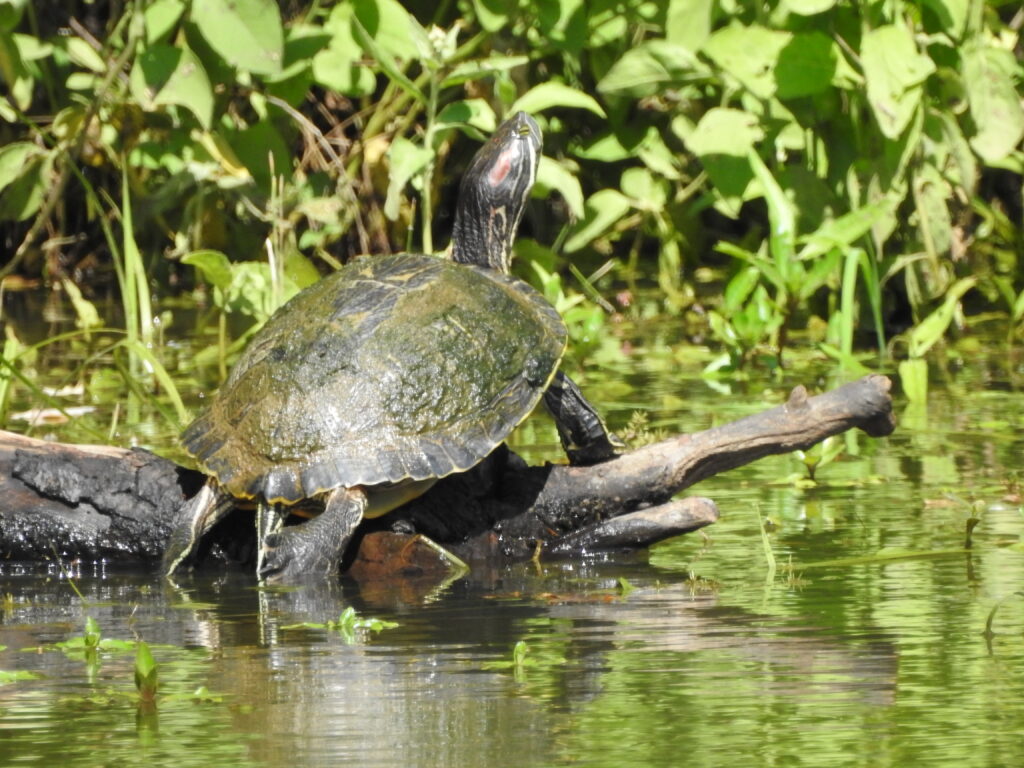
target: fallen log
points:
(91, 503)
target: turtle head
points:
(493, 193)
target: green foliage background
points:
(852, 168)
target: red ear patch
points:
(501, 168)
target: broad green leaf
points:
(926, 333)
(10, 13)
(914, 379)
(146, 672)
(160, 18)
(386, 61)
(649, 68)
(931, 193)
(476, 113)
(15, 74)
(479, 68)
(739, 288)
(23, 193)
(546, 95)
(553, 176)
(390, 26)
(807, 7)
(84, 55)
(952, 15)
(646, 191)
(13, 159)
(492, 14)
(605, 148)
(895, 71)
(602, 210)
(31, 48)
(781, 219)
(164, 75)
(406, 160)
(807, 65)
(246, 33)
(749, 54)
(964, 161)
(563, 23)
(988, 74)
(721, 141)
(336, 68)
(688, 23)
(657, 156)
(214, 265)
(845, 230)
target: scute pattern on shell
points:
(394, 367)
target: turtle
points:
(367, 387)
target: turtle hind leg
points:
(313, 551)
(197, 517)
(584, 436)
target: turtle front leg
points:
(584, 436)
(312, 551)
(197, 517)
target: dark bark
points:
(96, 502)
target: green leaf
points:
(407, 160)
(931, 195)
(895, 71)
(160, 18)
(246, 33)
(13, 159)
(166, 75)
(214, 266)
(807, 7)
(492, 14)
(551, 94)
(389, 25)
(845, 230)
(952, 15)
(647, 192)
(926, 333)
(748, 54)
(806, 65)
(688, 23)
(10, 13)
(386, 62)
(84, 55)
(782, 220)
(914, 378)
(553, 176)
(602, 210)
(146, 672)
(24, 178)
(722, 141)
(480, 68)
(476, 113)
(988, 74)
(649, 68)
(338, 70)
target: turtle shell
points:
(395, 368)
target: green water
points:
(851, 654)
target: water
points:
(694, 655)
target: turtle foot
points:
(313, 551)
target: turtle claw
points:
(312, 551)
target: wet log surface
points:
(98, 502)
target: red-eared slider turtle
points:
(368, 386)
